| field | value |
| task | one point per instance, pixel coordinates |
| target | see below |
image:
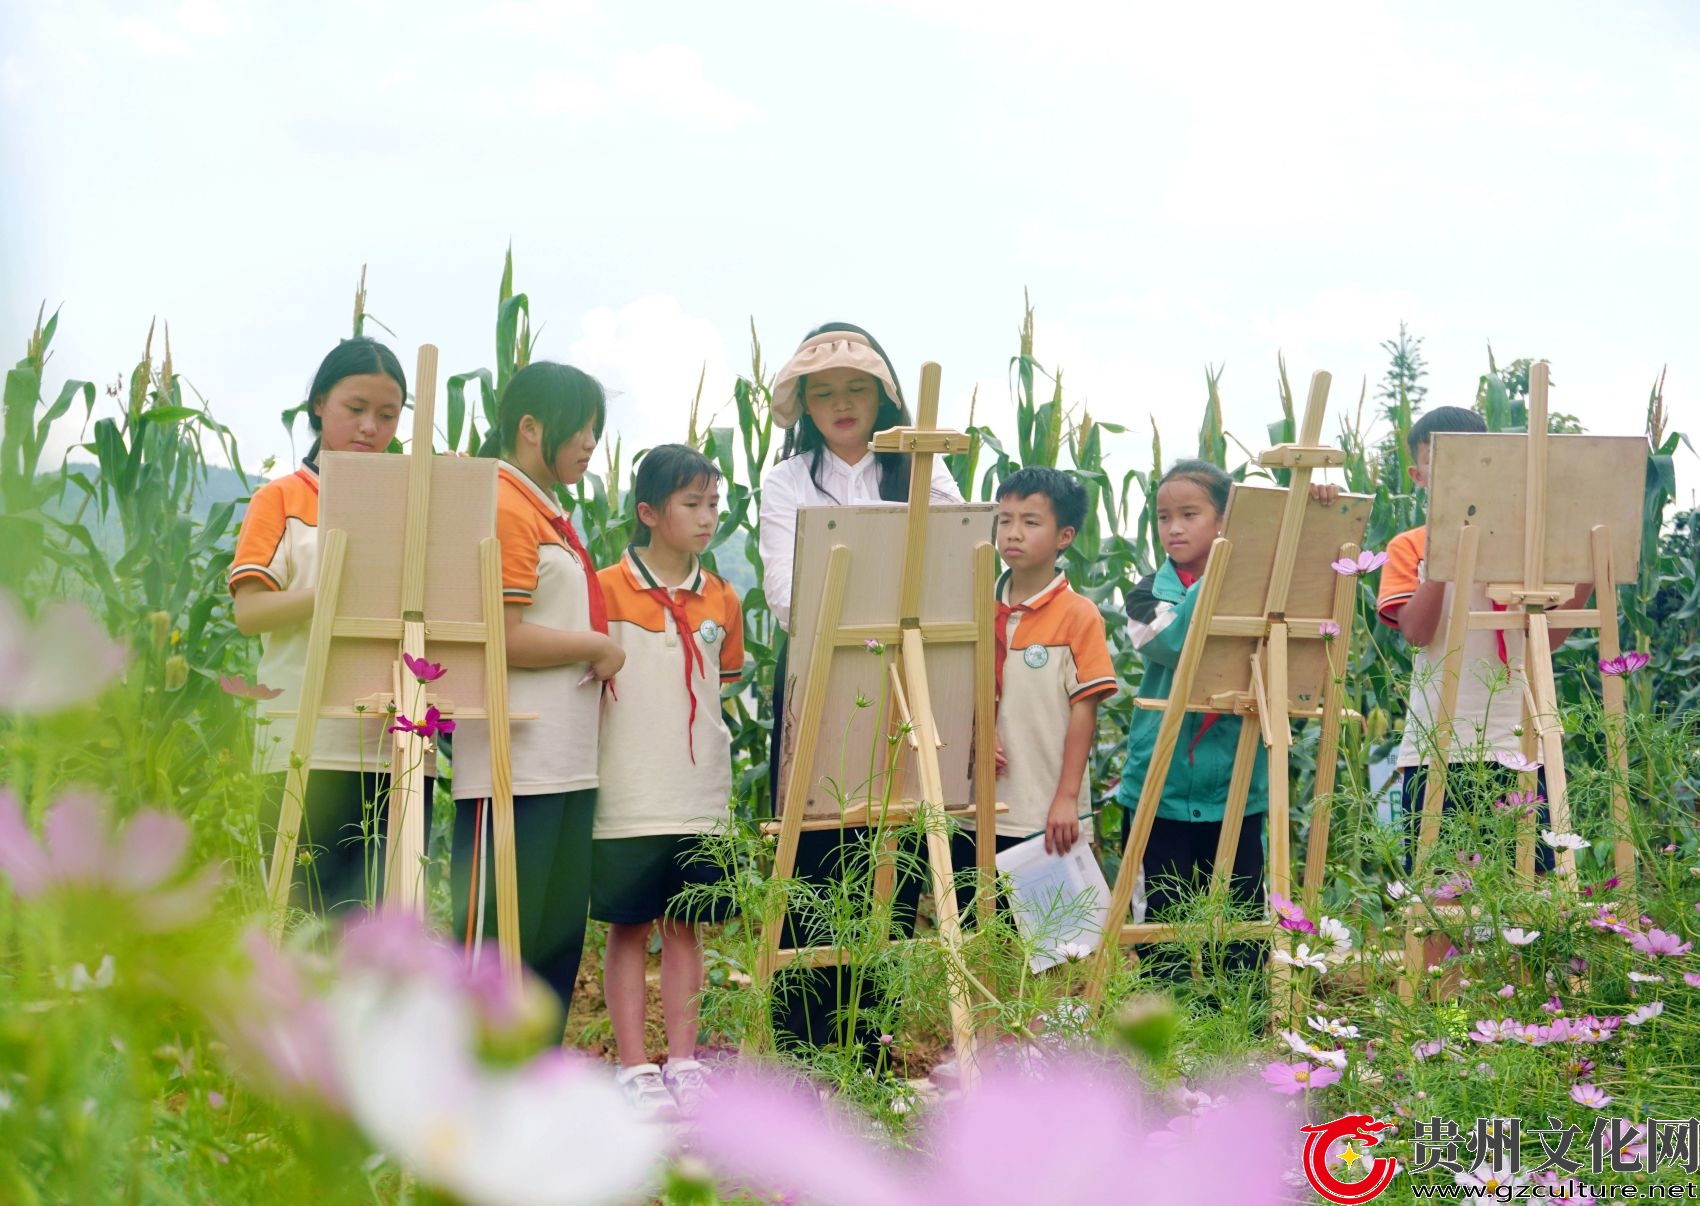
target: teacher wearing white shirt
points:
(831, 397)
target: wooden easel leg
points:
(404, 839)
(802, 764)
(1328, 745)
(1611, 691)
(1233, 814)
(333, 554)
(1457, 629)
(1526, 825)
(1551, 733)
(986, 732)
(501, 759)
(963, 1031)
(1280, 824)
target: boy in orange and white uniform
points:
(1053, 666)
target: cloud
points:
(204, 18)
(654, 353)
(150, 39)
(565, 92)
(668, 79)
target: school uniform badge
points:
(708, 631)
(1035, 656)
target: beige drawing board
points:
(1253, 527)
(1482, 480)
(850, 741)
(365, 496)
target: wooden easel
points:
(1239, 659)
(911, 694)
(1530, 546)
(421, 531)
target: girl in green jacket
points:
(1192, 498)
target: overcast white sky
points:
(1176, 184)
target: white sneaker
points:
(647, 1093)
(687, 1081)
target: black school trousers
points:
(552, 856)
(1179, 861)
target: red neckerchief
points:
(688, 642)
(593, 584)
(1210, 718)
(1005, 611)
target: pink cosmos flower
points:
(1524, 802)
(1590, 1095)
(243, 689)
(1299, 1077)
(1452, 887)
(1290, 915)
(278, 1028)
(62, 659)
(1656, 942)
(1629, 663)
(1428, 1049)
(1553, 1005)
(1507, 992)
(1579, 1068)
(433, 724)
(424, 671)
(1365, 562)
(1493, 1032)
(1329, 630)
(1692, 979)
(1606, 918)
(873, 646)
(139, 863)
(762, 1138)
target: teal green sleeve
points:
(1165, 647)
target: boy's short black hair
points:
(1442, 418)
(663, 472)
(1067, 495)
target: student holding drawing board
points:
(353, 405)
(1488, 724)
(831, 397)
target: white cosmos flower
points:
(1336, 1027)
(1397, 891)
(552, 1132)
(1301, 1046)
(1334, 931)
(1565, 841)
(1303, 957)
(1520, 937)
